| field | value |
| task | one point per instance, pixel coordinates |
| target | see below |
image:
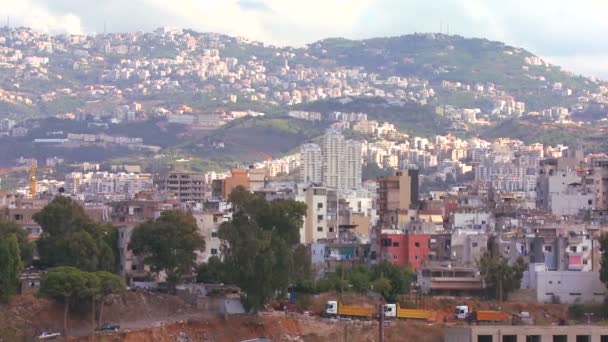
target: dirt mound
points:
(278, 327)
(28, 315)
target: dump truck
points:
(335, 309)
(463, 312)
(488, 316)
(394, 310)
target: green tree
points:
(359, 278)
(11, 266)
(500, 277)
(90, 292)
(383, 286)
(8, 228)
(211, 272)
(71, 238)
(64, 284)
(603, 240)
(399, 277)
(109, 284)
(169, 244)
(259, 243)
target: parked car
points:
(48, 335)
(109, 327)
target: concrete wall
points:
(570, 287)
(520, 333)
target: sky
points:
(565, 32)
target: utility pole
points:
(381, 319)
(500, 292)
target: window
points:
(319, 205)
(484, 338)
(395, 257)
(133, 267)
(417, 244)
(590, 202)
(319, 217)
(474, 244)
(585, 262)
(533, 338)
(18, 217)
(583, 338)
(213, 251)
(585, 248)
(550, 281)
(560, 338)
(548, 248)
(213, 234)
(573, 249)
(395, 244)
(509, 338)
(417, 257)
(331, 229)
(319, 229)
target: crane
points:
(32, 179)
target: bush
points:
(576, 311)
(304, 301)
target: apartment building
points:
(311, 164)
(321, 214)
(396, 195)
(187, 186)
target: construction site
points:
(149, 316)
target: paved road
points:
(148, 322)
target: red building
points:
(403, 249)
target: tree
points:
(71, 238)
(90, 292)
(109, 284)
(10, 266)
(64, 284)
(400, 278)
(603, 240)
(500, 277)
(26, 248)
(211, 272)
(259, 244)
(359, 278)
(169, 244)
(383, 286)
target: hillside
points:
(438, 57)
(251, 139)
(409, 117)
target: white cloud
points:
(586, 65)
(36, 16)
(281, 21)
(564, 29)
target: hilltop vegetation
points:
(438, 57)
(409, 117)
